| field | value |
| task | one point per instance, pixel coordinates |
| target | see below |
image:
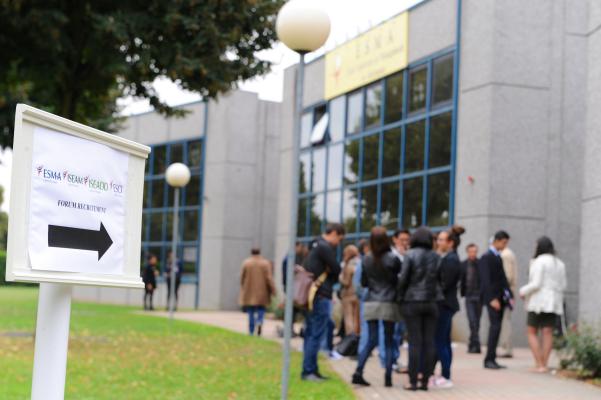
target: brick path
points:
(471, 380)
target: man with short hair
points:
(496, 294)
(470, 289)
(320, 260)
(256, 289)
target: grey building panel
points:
(518, 153)
(151, 128)
(473, 152)
(190, 126)
(314, 82)
(522, 45)
(590, 273)
(432, 27)
(477, 44)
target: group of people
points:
(406, 286)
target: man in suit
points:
(496, 294)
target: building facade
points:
(475, 112)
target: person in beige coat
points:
(348, 295)
(510, 265)
(256, 289)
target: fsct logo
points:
(116, 188)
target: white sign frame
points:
(18, 265)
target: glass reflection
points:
(317, 214)
(335, 161)
(191, 225)
(304, 173)
(193, 191)
(371, 157)
(156, 227)
(333, 206)
(160, 160)
(417, 89)
(194, 154)
(301, 226)
(319, 170)
(443, 80)
(389, 208)
(337, 108)
(158, 192)
(369, 207)
(350, 210)
(306, 128)
(355, 109)
(439, 188)
(440, 141)
(373, 105)
(412, 202)
(177, 153)
(351, 162)
(391, 158)
(415, 146)
(394, 98)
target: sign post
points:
(75, 219)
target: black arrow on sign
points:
(79, 239)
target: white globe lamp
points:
(302, 26)
(177, 175)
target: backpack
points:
(305, 287)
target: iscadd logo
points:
(73, 179)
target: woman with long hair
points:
(419, 290)
(450, 268)
(380, 270)
(348, 295)
(544, 300)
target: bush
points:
(582, 352)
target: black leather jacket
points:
(420, 278)
(381, 278)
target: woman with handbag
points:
(380, 270)
(544, 300)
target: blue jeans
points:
(373, 334)
(316, 325)
(364, 337)
(255, 316)
(443, 340)
(327, 341)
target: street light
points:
(177, 176)
(302, 27)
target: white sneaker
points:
(443, 383)
(335, 356)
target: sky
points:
(349, 18)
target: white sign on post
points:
(75, 218)
(76, 203)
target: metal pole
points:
(293, 222)
(174, 252)
(51, 342)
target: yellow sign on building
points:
(371, 56)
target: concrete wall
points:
(520, 129)
(240, 192)
(590, 272)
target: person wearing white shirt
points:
(544, 300)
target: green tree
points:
(76, 57)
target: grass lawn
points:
(116, 354)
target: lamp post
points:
(177, 176)
(303, 28)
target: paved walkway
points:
(471, 380)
